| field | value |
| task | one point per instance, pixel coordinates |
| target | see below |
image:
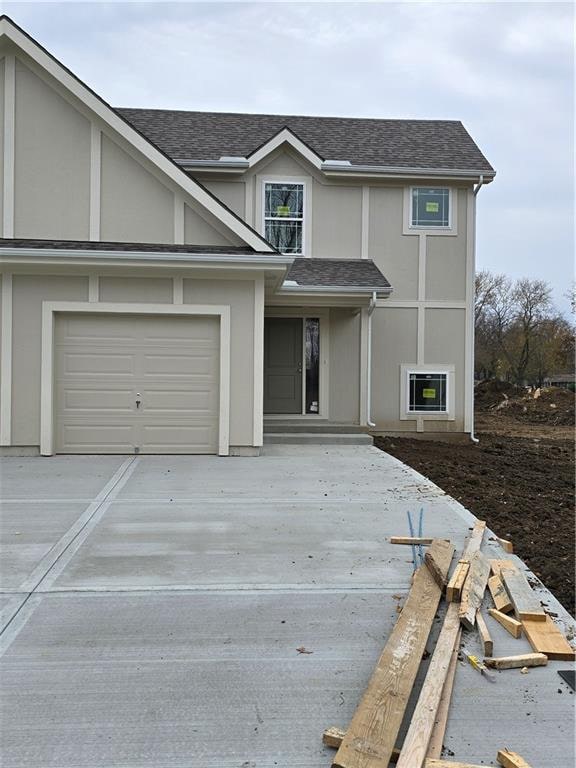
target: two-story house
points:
(173, 281)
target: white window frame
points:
(406, 413)
(305, 182)
(414, 229)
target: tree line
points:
(520, 336)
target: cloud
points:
(504, 69)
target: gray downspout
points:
(476, 190)
(371, 308)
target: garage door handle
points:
(138, 401)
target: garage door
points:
(136, 383)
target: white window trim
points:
(406, 414)
(50, 308)
(306, 182)
(451, 229)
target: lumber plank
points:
(513, 626)
(475, 539)
(441, 720)
(523, 597)
(454, 586)
(372, 733)
(438, 561)
(433, 763)
(497, 565)
(545, 637)
(474, 588)
(410, 540)
(509, 759)
(416, 741)
(485, 638)
(499, 595)
(332, 737)
(506, 545)
(517, 662)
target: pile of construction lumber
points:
(370, 741)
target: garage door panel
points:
(96, 438)
(185, 364)
(91, 399)
(105, 364)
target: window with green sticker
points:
(427, 392)
(284, 216)
(430, 207)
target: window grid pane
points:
(430, 207)
(427, 392)
(284, 216)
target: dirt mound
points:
(491, 392)
(548, 406)
(552, 406)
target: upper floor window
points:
(430, 207)
(284, 216)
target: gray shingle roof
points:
(85, 245)
(433, 144)
(344, 273)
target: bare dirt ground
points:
(519, 478)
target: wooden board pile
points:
(370, 740)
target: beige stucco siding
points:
(52, 163)
(200, 228)
(135, 205)
(444, 344)
(239, 295)
(231, 193)
(136, 289)
(394, 253)
(344, 365)
(29, 291)
(336, 221)
(446, 260)
(395, 343)
(1, 139)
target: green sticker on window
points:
(432, 207)
(282, 210)
(429, 393)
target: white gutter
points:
(334, 289)
(371, 309)
(473, 437)
(49, 254)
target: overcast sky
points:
(505, 69)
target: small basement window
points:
(427, 392)
(430, 207)
(284, 216)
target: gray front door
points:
(283, 365)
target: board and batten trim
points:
(365, 221)
(6, 362)
(50, 308)
(93, 288)
(9, 145)
(258, 424)
(178, 289)
(178, 220)
(95, 181)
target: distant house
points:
(173, 281)
(563, 380)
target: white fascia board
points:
(396, 172)
(288, 287)
(118, 124)
(285, 136)
(164, 258)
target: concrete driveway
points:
(152, 609)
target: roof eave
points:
(385, 171)
(337, 289)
